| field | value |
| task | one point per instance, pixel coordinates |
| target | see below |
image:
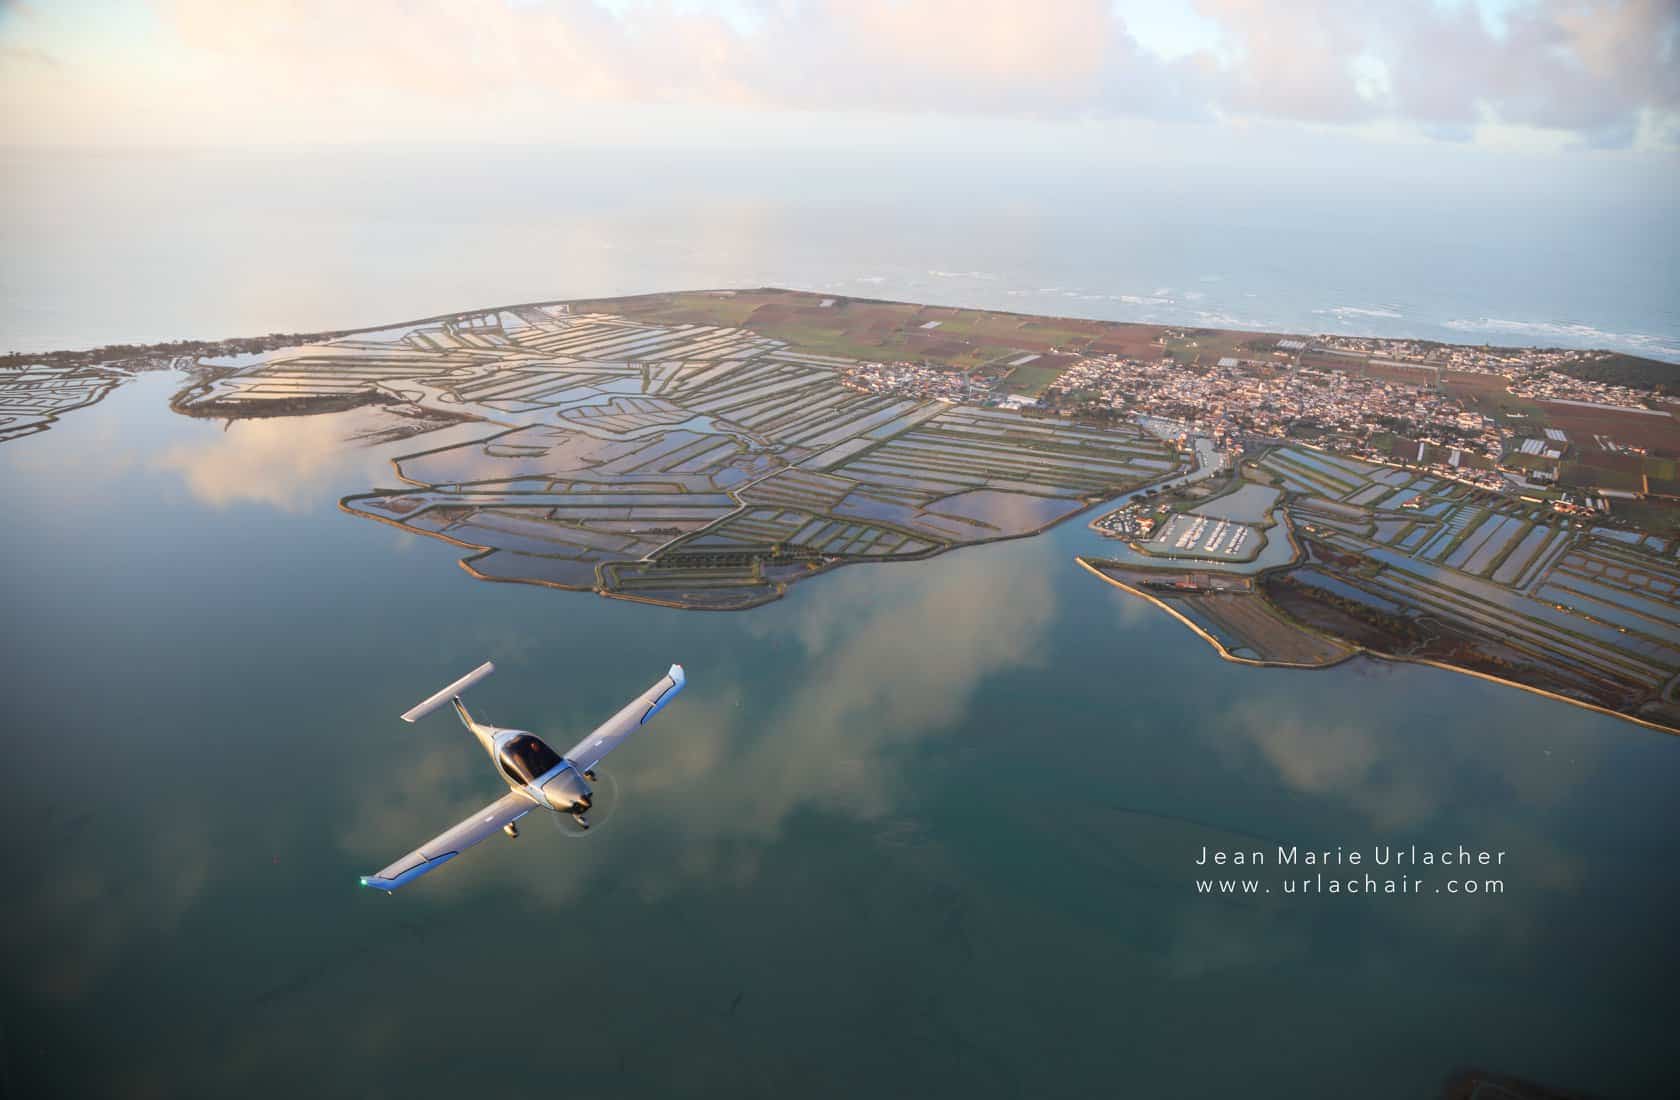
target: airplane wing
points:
(611, 733)
(446, 846)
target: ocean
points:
(139, 247)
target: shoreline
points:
(271, 341)
(1362, 651)
(346, 504)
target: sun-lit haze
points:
(1548, 73)
(1493, 170)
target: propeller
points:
(603, 803)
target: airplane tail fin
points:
(461, 710)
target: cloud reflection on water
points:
(724, 779)
(103, 905)
(904, 670)
(292, 463)
(1336, 754)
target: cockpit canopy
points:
(525, 757)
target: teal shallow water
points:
(914, 830)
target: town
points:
(1470, 415)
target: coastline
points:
(1359, 650)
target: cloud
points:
(1600, 70)
(1589, 68)
(1293, 61)
(26, 56)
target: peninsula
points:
(1294, 498)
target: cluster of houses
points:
(904, 379)
(1256, 400)
(1240, 397)
(1529, 372)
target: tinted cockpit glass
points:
(525, 758)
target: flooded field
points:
(613, 454)
(1420, 567)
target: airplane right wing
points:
(611, 733)
(446, 846)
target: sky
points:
(1563, 78)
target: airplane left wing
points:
(611, 733)
(446, 846)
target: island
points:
(1295, 499)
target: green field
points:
(1031, 378)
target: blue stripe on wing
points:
(678, 679)
(388, 884)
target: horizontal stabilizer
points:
(448, 693)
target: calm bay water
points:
(914, 830)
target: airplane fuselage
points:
(531, 768)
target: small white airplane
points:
(537, 775)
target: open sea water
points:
(127, 247)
